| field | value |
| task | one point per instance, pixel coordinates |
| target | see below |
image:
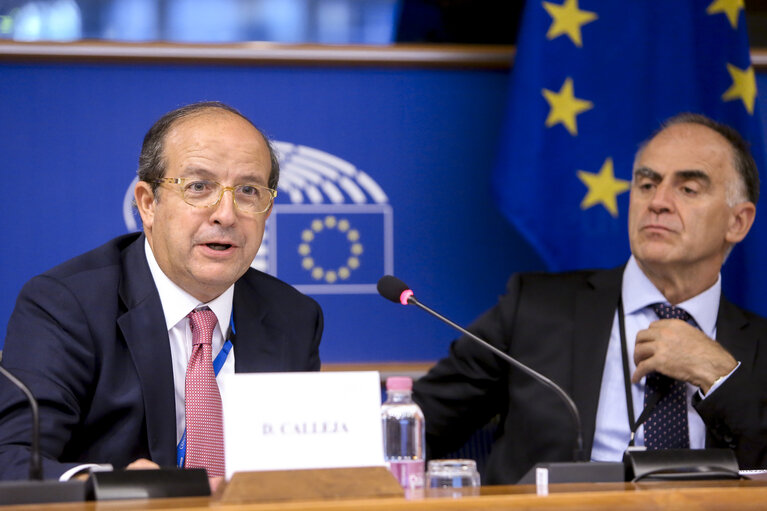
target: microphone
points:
(35, 464)
(135, 484)
(392, 288)
(36, 490)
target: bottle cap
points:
(399, 383)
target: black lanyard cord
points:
(626, 380)
(654, 398)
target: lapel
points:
(733, 334)
(258, 343)
(143, 327)
(595, 309)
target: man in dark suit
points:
(104, 339)
(693, 196)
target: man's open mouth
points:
(218, 246)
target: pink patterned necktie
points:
(204, 422)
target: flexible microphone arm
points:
(393, 289)
(35, 464)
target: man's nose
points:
(225, 212)
(662, 199)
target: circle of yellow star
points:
(308, 263)
(567, 19)
(603, 188)
(564, 106)
(743, 86)
(731, 8)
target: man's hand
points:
(142, 464)
(214, 482)
(139, 464)
(145, 464)
(681, 351)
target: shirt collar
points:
(638, 292)
(177, 303)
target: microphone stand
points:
(578, 454)
(121, 484)
(36, 490)
(580, 470)
(35, 465)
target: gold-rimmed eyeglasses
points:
(202, 193)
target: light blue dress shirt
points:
(612, 432)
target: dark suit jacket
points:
(559, 324)
(89, 338)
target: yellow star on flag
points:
(603, 188)
(743, 86)
(567, 19)
(564, 106)
(731, 8)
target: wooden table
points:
(707, 495)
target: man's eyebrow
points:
(198, 172)
(253, 178)
(648, 173)
(684, 175)
(689, 175)
(203, 173)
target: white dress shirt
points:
(612, 432)
(176, 304)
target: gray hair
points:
(151, 162)
(747, 189)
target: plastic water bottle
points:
(404, 434)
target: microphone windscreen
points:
(391, 288)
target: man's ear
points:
(145, 203)
(741, 219)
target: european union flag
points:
(332, 248)
(591, 80)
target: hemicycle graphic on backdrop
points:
(331, 230)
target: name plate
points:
(287, 421)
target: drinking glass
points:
(452, 478)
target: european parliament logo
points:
(331, 228)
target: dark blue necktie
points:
(666, 428)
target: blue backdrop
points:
(70, 136)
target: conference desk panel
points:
(703, 495)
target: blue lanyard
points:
(218, 363)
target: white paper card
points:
(284, 421)
(541, 481)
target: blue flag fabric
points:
(591, 80)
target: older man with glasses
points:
(122, 346)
